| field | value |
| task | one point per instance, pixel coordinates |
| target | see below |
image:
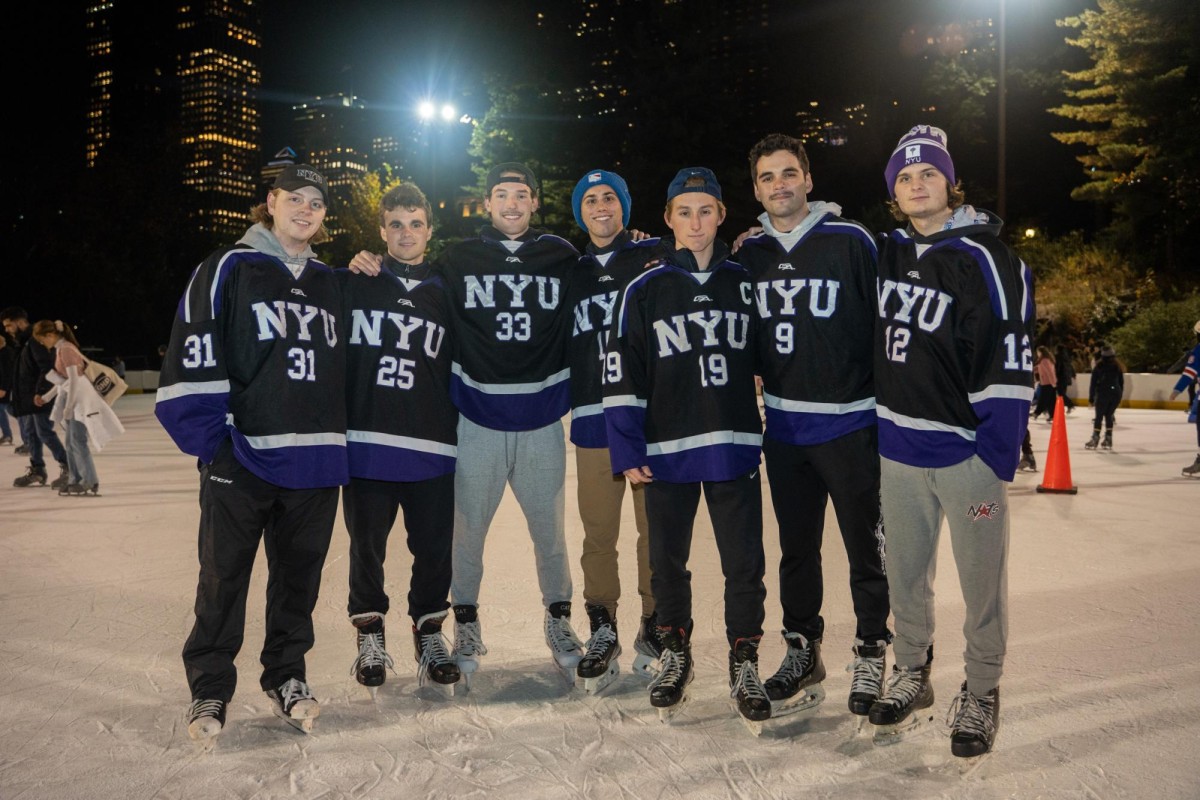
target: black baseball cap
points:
(297, 176)
(516, 173)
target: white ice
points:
(1100, 699)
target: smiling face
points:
(511, 206)
(694, 218)
(297, 216)
(782, 186)
(406, 232)
(601, 213)
(923, 194)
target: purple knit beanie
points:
(924, 144)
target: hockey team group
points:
(895, 374)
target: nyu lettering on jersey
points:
(256, 355)
(816, 313)
(953, 360)
(401, 423)
(594, 292)
(679, 393)
(511, 318)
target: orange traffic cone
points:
(1057, 477)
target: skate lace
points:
(796, 661)
(867, 675)
(204, 708)
(371, 653)
(433, 651)
(670, 672)
(602, 640)
(468, 640)
(293, 692)
(560, 636)
(747, 683)
(903, 687)
(972, 714)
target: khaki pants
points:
(600, 497)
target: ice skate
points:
(745, 687)
(565, 647)
(206, 719)
(901, 710)
(468, 643)
(21, 450)
(80, 490)
(1106, 443)
(6, 440)
(434, 663)
(866, 681)
(648, 647)
(1193, 471)
(294, 704)
(668, 690)
(1027, 463)
(64, 478)
(373, 662)
(33, 476)
(1093, 442)
(974, 721)
(796, 685)
(599, 666)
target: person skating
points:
(33, 363)
(1187, 378)
(1104, 395)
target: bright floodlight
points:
(425, 110)
(448, 113)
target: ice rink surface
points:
(1101, 697)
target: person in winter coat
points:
(1047, 378)
(1065, 371)
(1104, 395)
(33, 362)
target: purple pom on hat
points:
(924, 144)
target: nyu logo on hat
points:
(923, 144)
(694, 179)
(601, 177)
(297, 176)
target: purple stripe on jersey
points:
(307, 467)
(511, 412)
(589, 431)
(718, 462)
(1002, 424)
(626, 427)
(196, 422)
(795, 428)
(380, 462)
(930, 449)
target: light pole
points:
(1001, 166)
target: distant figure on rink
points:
(1187, 378)
(29, 380)
(1104, 395)
(1047, 383)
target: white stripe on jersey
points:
(624, 400)
(922, 424)
(1002, 391)
(403, 442)
(995, 275)
(587, 411)
(509, 388)
(296, 440)
(177, 390)
(771, 401)
(212, 290)
(703, 440)
(625, 295)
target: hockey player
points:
(682, 416)
(253, 385)
(953, 384)
(601, 203)
(1186, 379)
(401, 439)
(814, 286)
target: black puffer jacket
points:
(32, 363)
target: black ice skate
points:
(373, 662)
(434, 662)
(1194, 470)
(796, 685)
(668, 690)
(64, 478)
(973, 720)
(1106, 444)
(1027, 463)
(1093, 442)
(866, 682)
(745, 687)
(80, 490)
(648, 647)
(908, 692)
(33, 476)
(206, 719)
(599, 666)
(468, 642)
(294, 704)
(565, 647)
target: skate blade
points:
(886, 735)
(596, 685)
(754, 726)
(568, 673)
(646, 666)
(667, 715)
(304, 713)
(204, 733)
(806, 699)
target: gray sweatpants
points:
(534, 463)
(975, 502)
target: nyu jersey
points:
(953, 364)
(816, 317)
(256, 355)
(594, 291)
(679, 392)
(510, 323)
(401, 424)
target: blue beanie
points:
(601, 177)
